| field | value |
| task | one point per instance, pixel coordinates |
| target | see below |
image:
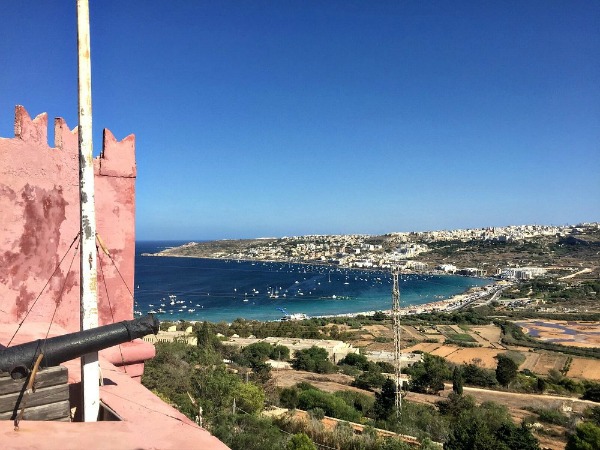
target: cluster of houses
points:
(398, 249)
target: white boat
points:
(295, 316)
(289, 317)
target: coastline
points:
(446, 302)
(439, 273)
(454, 303)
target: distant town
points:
(426, 251)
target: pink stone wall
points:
(39, 219)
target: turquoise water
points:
(220, 290)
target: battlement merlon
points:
(117, 158)
(32, 131)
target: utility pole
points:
(90, 369)
(397, 336)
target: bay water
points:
(223, 290)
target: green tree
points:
(541, 385)
(488, 427)
(456, 405)
(280, 353)
(592, 392)
(394, 444)
(506, 370)
(314, 359)
(369, 379)
(250, 398)
(517, 438)
(593, 414)
(356, 359)
(428, 444)
(247, 432)
(457, 381)
(428, 376)
(204, 336)
(380, 316)
(385, 401)
(215, 389)
(385, 367)
(170, 374)
(289, 397)
(300, 441)
(256, 353)
(332, 405)
(359, 401)
(261, 372)
(478, 376)
(586, 437)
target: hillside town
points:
(409, 251)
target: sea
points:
(213, 290)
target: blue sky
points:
(273, 118)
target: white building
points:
(522, 273)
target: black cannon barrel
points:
(18, 360)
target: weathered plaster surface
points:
(39, 223)
(39, 220)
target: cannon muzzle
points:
(19, 360)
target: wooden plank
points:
(51, 376)
(54, 411)
(42, 396)
(48, 377)
(9, 386)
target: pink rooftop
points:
(39, 219)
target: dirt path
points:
(573, 275)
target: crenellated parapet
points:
(65, 139)
(118, 157)
(39, 218)
(33, 131)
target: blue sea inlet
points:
(223, 290)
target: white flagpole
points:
(90, 385)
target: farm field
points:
(430, 339)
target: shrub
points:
(288, 397)
(313, 359)
(369, 380)
(478, 376)
(332, 406)
(356, 360)
(361, 402)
